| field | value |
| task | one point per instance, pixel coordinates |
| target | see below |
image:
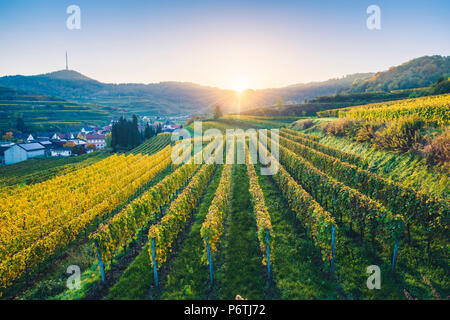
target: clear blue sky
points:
(228, 44)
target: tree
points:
(122, 133)
(125, 134)
(69, 144)
(280, 104)
(108, 140)
(20, 125)
(8, 136)
(217, 111)
(114, 134)
(135, 135)
(81, 136)
(91, 146)
(148, 132)
(78, 149)
(441, 86)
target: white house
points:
(61, 152)
(56, 137)
(78, 142)
(12, 153)
(33, 149)
(86, 130)
(48, 145)
(98, 139)
(62, 136)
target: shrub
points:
(441, 86)
(69, 144)
(437, 151)
(343, 127)
(308, 123)
(303, 124)
(91, 146)
(401, 135)
(366, 133)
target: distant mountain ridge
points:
(67, 75)
(166, 97)
(158, 98)
(189, 98)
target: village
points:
(17, 146)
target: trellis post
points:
(333, 238)
(155, 271)
(211, 277)
(394, 257)
(268, 255)
(100, 262)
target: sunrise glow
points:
(240, 85)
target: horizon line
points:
(217, 87)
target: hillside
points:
(298, 93)
(157, 98)
(340, 100)
(189, 98)
(166, 97)
(152, 237)
(416, 73)
(419, 77)
(41, 111)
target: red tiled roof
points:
(95, 136)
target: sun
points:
(239, 89)
(240, 85)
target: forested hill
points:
(189, 98)
(416, 73)
(157, 98)
(166, 97)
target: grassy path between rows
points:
(301, 274)
(188, 277)
(406, 169)
(242, 270)
(91, 288)
(416, 272)
(183, 277)
(51, 282)
(298, 272)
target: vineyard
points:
(153, 145)
(38, 170)
(225, 159)
(431, 109)
(140, 226)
